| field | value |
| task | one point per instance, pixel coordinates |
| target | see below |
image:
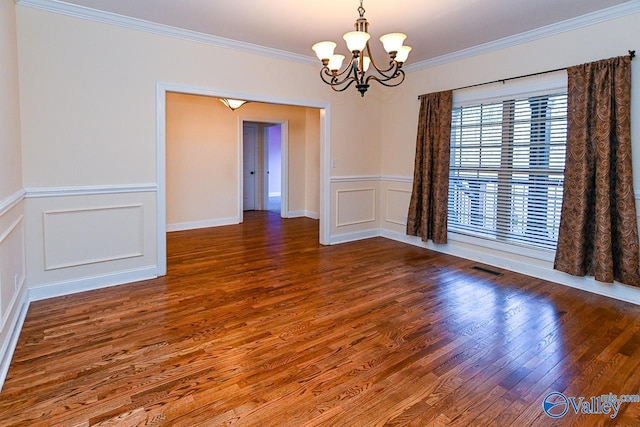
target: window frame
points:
(526, 87)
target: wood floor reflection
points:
(259, 325)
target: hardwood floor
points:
(258, 325)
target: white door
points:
(250, 166)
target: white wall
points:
(88, 104)
(12, 224)
(590, 43)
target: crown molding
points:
(603, 15)
(83, 12)
(60, 7)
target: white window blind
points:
(507, 169)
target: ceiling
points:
(433, 27)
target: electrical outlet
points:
(334, 163)
(15, 281)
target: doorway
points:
(264, 166)
(162, 88)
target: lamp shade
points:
(335, 63)
(234, 104)
(393, 42)
(356, 40)
(403, 54)
(324, 50)
(366, 61)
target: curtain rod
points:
(631, 54)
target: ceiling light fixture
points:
(233, 104)
(356, 71)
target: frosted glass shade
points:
(356, 40)
(403, 54)
(234, 104)
(324, 50)
(335, 63)
(393, 42)
(366, 61)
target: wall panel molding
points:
(89, 190)
(8, 345)
(65, 243)
(391, 216)
(12, 249)
(8, 203)
(361, 178)
(355, 178)
(358, 197)
(394, 178)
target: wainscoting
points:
(355, 212)
(83, 238)
(13, 296)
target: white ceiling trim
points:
(77, 11)
(161, 29)
(539, 33)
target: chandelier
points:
(361, 60)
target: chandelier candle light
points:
(356, 71)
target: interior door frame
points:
(284, 162)
(161, 155)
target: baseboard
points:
(612, 290)
(68, 287)
(352, 237)
(300, 214)
(11, 338)
(202, 224)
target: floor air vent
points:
(487, 270)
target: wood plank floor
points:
(258, 325)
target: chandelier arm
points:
(383, 82)
(393, 66)
(334, 80)
(373, 62)
(348, 69)
(336, 89)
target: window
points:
(507, 169)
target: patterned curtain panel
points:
(427, 216)
(598, 233)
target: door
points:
(249, 167)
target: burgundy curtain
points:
(427, 215)
(598, 233)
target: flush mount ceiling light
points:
(233, 104)
(356, 71)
